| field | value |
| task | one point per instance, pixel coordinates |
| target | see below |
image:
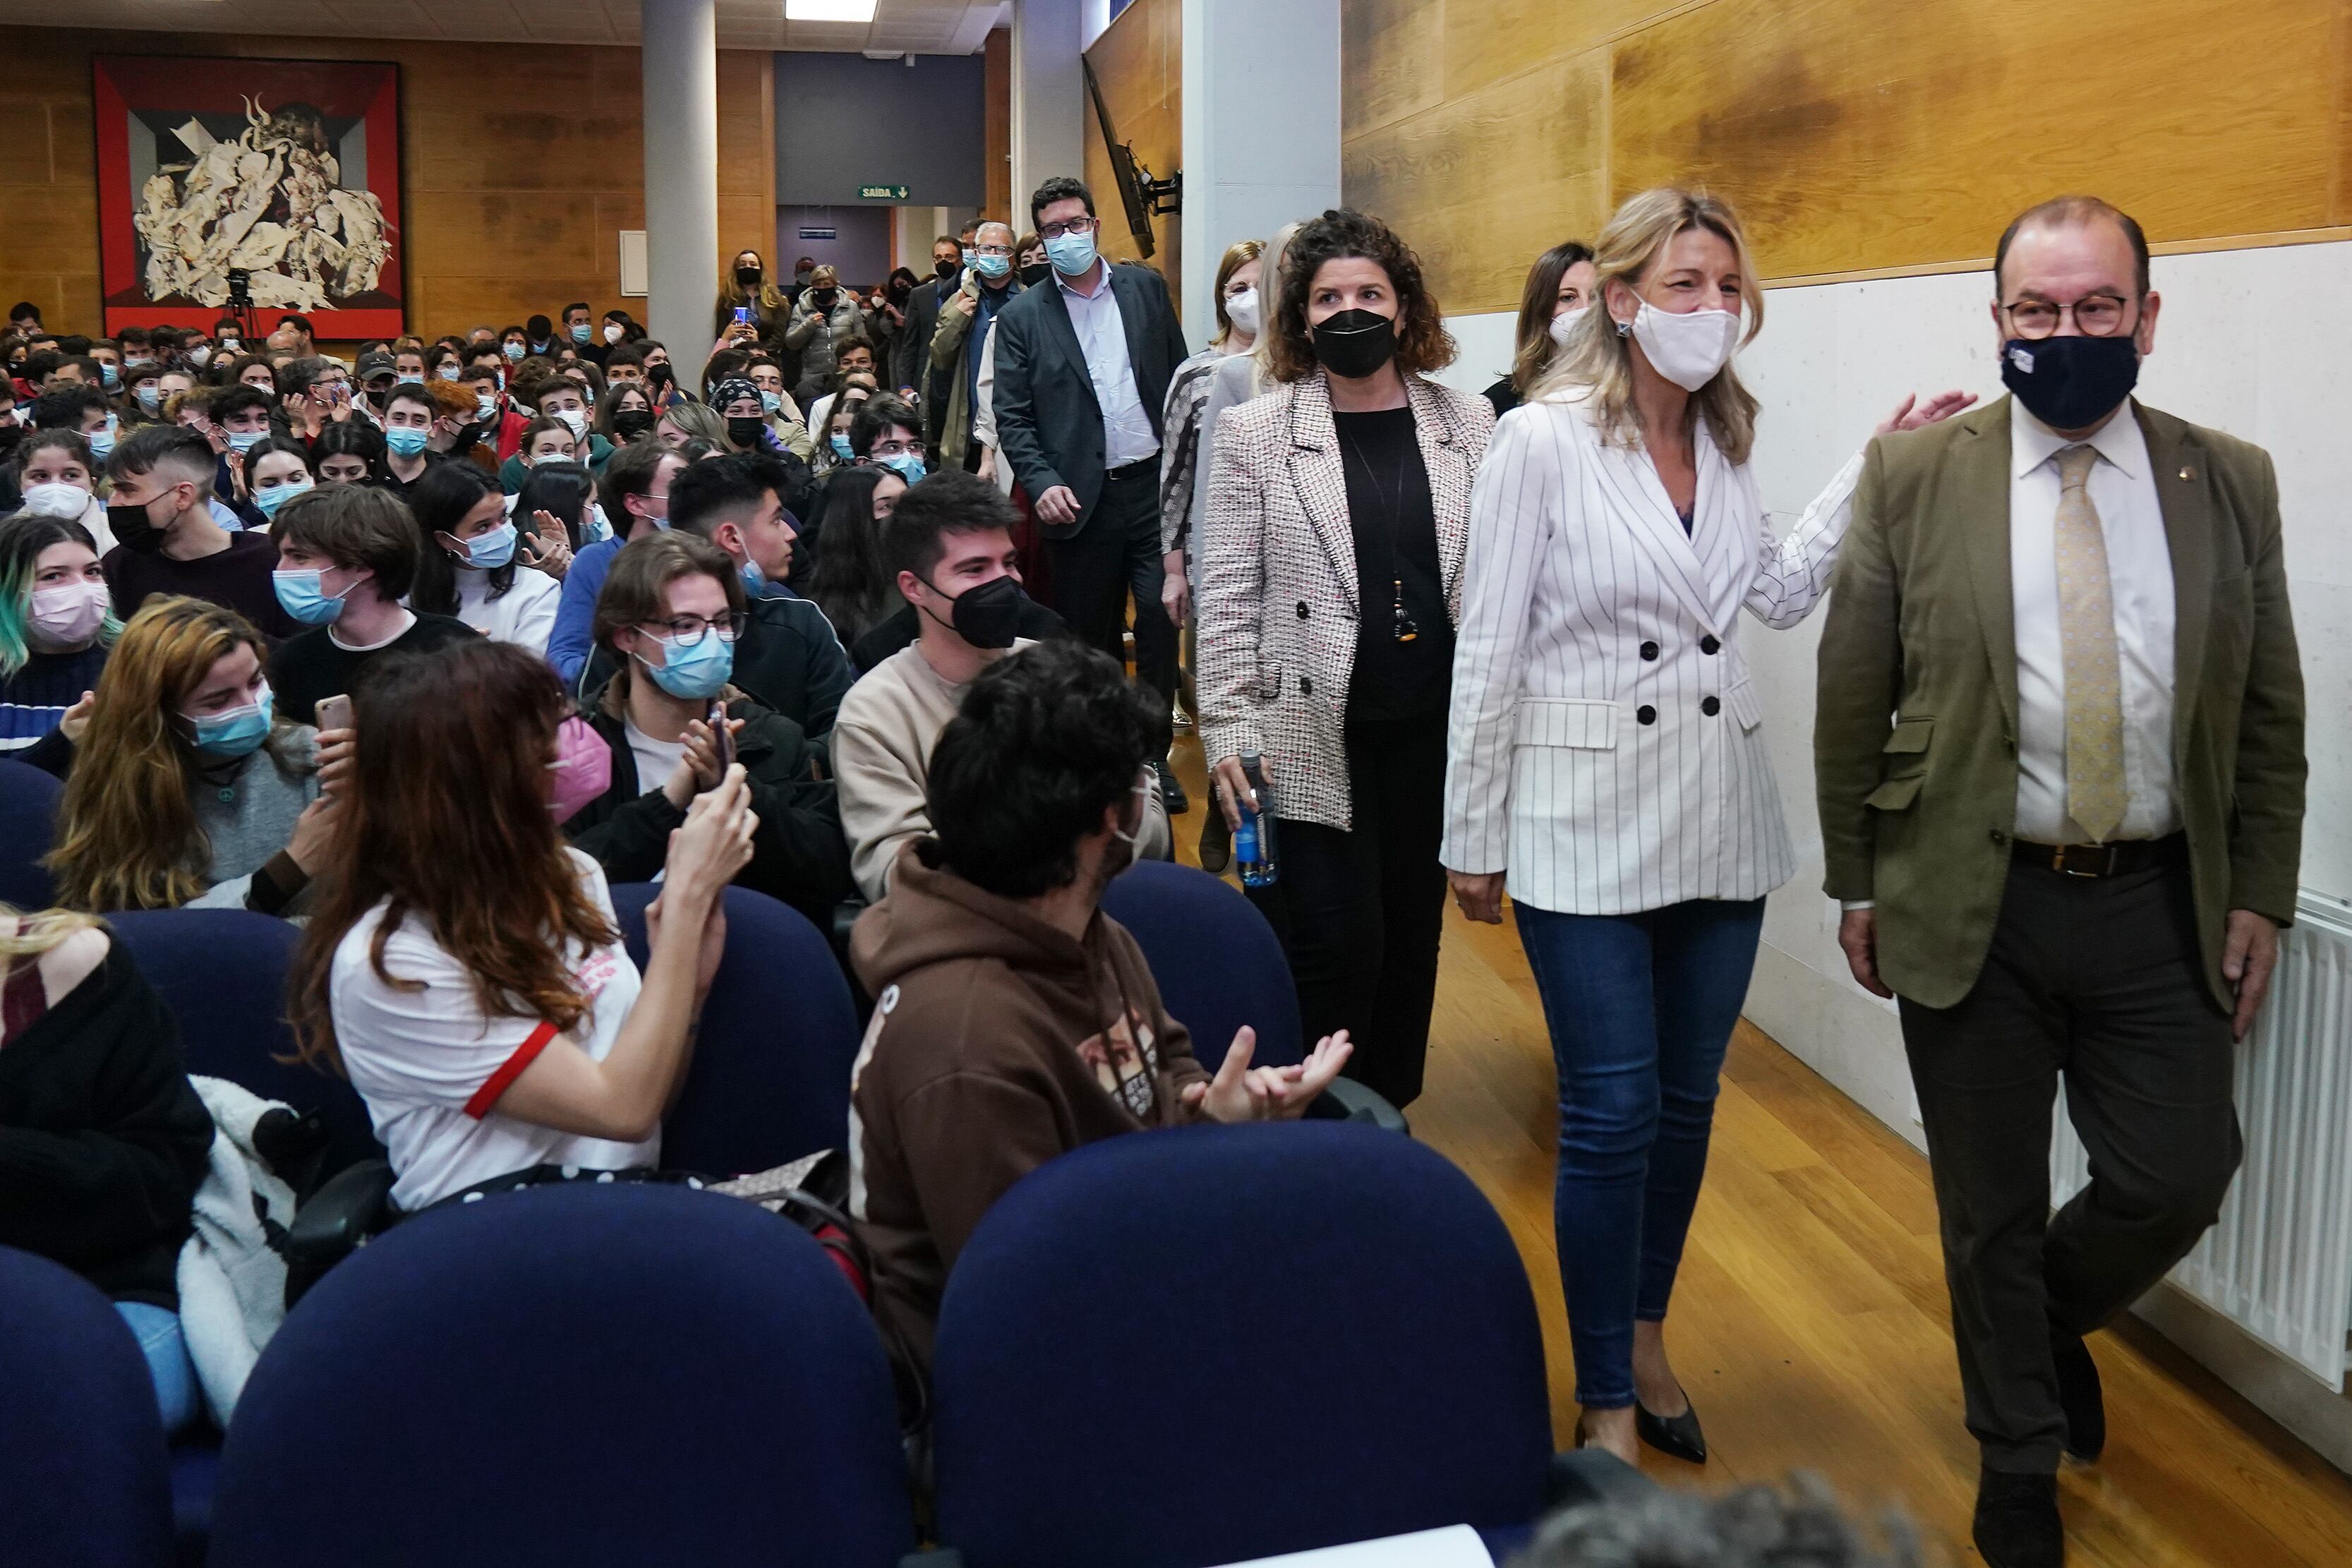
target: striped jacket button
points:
(1708, 645)
(1649, 650)
(1646, 714)
(1711, 706)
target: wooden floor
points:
(1810, 1322)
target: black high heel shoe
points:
(1677, 1435)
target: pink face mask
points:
(68, 616)
(583, 769)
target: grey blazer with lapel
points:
(1049, 425)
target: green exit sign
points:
(882, 193)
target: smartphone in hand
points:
(723, 734)
(334, 712)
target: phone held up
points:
(723, 734)
(334, 712)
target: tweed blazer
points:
(1606, 747)
(1279, 599)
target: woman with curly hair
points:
(1330, 577)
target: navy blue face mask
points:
(2070, 384)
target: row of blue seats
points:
(1175, 1350)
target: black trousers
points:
(1360, 912)
(2100, 979)
(1116, 553)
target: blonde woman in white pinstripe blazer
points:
(1330, 572)
(1606, 757)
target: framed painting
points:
(249, 187)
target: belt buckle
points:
(2059, 854)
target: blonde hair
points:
(1598, 359)
(128, 835)
(1238, 255)
(32, 932)
(1274, 262)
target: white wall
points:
(2249, 341)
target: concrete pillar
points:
(1049, 101)
(1260, 131)
(680, 62)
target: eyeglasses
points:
(687, 631)
(1056, 231)
(897, 449)
(1004, 250)
(2097, 315)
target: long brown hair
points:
(446, 818)
(1534, 348)
(128, 834)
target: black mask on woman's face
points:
(899, 289)
(746, 277)
(743, 429)
(824, 297)
(1355, 343)
(1035, 273)
(631, 423)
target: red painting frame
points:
(365, 90)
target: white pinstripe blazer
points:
(1279, 600)
(1604, 749)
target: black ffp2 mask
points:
(743, 429)
(1355, 343)
(987, 616)
(746, 277)
(2070, 384)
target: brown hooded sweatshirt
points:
(997, 1042)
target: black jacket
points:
(1048, 425)
(787, 659)
(910, 346)
(103, 1141)
(798, 852)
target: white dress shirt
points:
(2140, 574)
(1102, 337)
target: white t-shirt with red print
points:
(431, 1066)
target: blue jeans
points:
(1641, 1007)
(160, 1340)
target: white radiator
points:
(2279, 1264)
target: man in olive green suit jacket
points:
(2060, 760)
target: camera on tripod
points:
(240, 287)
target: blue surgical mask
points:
(101, 442)
(512, 351)
(906, 465)
(755, 578)
(1071, 254)
(244, 440)
(111, 376)
(409, 381)
(769, 401)
(303, 595)
(697, 673)
(485, 406)
(489, 552)
(447, 372)
(992, 267)
(269, 501)
(237, 731)
(841, 449)
(150, 396)
(406, 441)
(580, 333)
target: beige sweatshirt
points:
(882, 741)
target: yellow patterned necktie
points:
(2095, 791)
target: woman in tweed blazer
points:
(1330, 577)
(1607, 756)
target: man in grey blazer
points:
(1082, 374)
(2061, 762)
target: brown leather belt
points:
(2118, 859)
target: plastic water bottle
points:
(1254, 846)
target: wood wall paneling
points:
(516, 181)
(1855, 136)
(1002, 202)
(1139, 62)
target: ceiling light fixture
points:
(829, 10)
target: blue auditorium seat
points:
(1192, 1347)
(83, 1476)
(770, 1079)
(29, 811)
(622, 1375)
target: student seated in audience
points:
(787, 659)
(56, 625)
(347, 557)
(559, 501)
(625, 414)
(1016, 1020)
(349, 454)
(950, 541)
(186, 787)
(167, 540)
(840, 564)
(276, 472)
(633, 492)
(410, 415)
(473, 563)
(465, 970)
(566, 403)
(103, 1141)
(669, 614)
(56, 475)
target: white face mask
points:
(1565, 323)
(1242, 310)
(613, 333)
(1688, 348)
(67, 617)
(56, 500)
